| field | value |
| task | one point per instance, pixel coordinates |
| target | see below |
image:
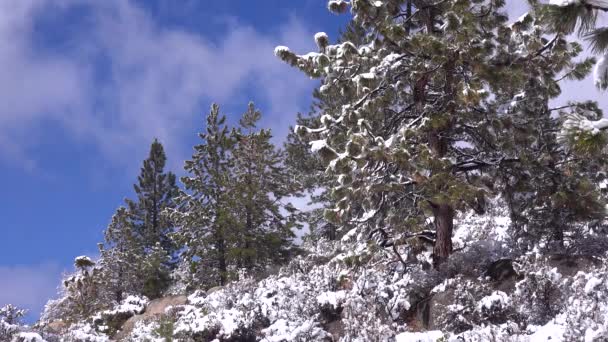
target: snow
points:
(563, 3)
(552, 331)
(344, 274)
(85, 332)
(29, 337)
(321, 39)
(427, 336)
(280, 50)
(497, 299)
(592, 284)
(600, 72)
(338, 6)
(317, 145)
(131, 304)
(578, 122)
(332, 298)
(83, 258)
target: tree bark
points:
(221, 250)
(444, 212)
(444, 224)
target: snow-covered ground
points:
(349, 290)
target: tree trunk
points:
(221, 258)
(444, 212)
(444, 224)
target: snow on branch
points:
(600, 73)
(577, 122)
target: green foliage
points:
(233, 214)
(166, 328)
(588, 144)
(429, 106)
(155, 190)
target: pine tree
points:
(305, 165)
(83, 293)
(423, 130)
(260, 186)
(565, 195)
(307, 169)
(569, 16)
(155, 190)
(122, 257)
(204, 214)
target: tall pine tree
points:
(155, 191)
(261, 185)
(424, 130)
(204, 209)
(122, 257)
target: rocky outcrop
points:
(154, 310)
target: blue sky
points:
(86, 85)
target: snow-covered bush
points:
(110, 321)
(539, 296)
(10, 318)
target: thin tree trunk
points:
(221, 258)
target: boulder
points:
(154, 310)
(569, 265)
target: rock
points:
(433, 307)
(158, 306)
(56, 327)
(423, 315)
(569, 265)
(214, 289)
(501, 270)
(154, 310)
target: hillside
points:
(349, 291)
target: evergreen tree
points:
(260, 186)
(155, 190)
(565, 196)
(569, 16)
(419, 133)
(122, 257)
(305, 165)
(204, 215)
(83, 293)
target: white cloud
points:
(28, 286)
(156, 80)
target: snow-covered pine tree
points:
(305, 165)
(308, 171)
(585, 129)
(568, 16)
(155, 191)
(549, 190)
(203, 215)
(411, 102)
(83, 293)
(423, 131)
(122, 255)
(260, 188)
(10, 319)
